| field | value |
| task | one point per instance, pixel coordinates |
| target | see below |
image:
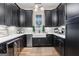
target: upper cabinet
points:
(28, 18)
(2, 13)
(54, 18)
(15, 15)
(22, 18)
(11, 14)
(61, 14)
(48, 18)
(8, 14)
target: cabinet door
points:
(2, 13)
(11, 14)
(28, 18)
(48, 18)
(24, 40)
(35, 42)
(22, 18)
(18, 16)
(54, 18)
(50, 40)
(3, 48)
(8, 14)
(43, 42)
(61, 14)
(14, 14)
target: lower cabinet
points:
(59, 44)
(3, 48)
(21, 43)
(42, 42)
(39, 42)
(50, 39)
(24, 40)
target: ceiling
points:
(30, 6)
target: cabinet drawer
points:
(41, 42)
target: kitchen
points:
(39, 29)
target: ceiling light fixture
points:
(42, 8)
(36, 6)
(35, 9)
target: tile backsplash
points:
(3, 31)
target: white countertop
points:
(39, 34)
(59, 35)
(7, 38)
(51, 31)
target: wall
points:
(38, 13)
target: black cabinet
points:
(8, 14)
(54, 18)
(50, 39)
(3, 48)
(11, 14)
(24, 40)
(18, 16)
(35, 42)
(22, 18)
(61, 14)
(39, 42)
(43, 42)
(15, 15)
(59, 44)
(2, 13)
(28, 18)
(48, 18)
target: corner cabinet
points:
(54, 18)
